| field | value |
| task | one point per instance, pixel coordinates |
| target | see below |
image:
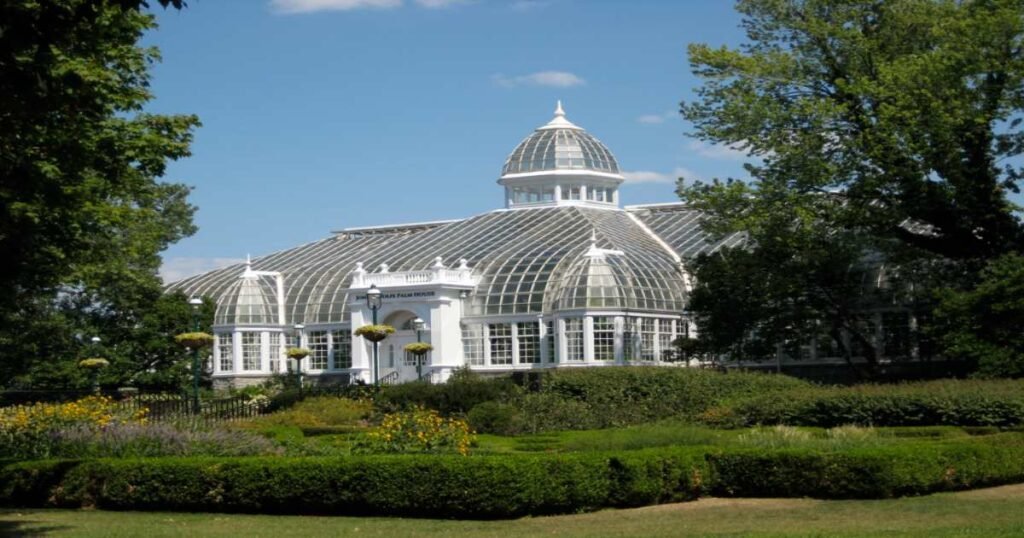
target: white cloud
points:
(553, 79)
(733, 152)
(310, 6)
(440, 4)
(174, 269)
(654, 119)
(646, 176)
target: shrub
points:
(948, 402)
(621, 396)
(137, 440)
(456, 396)
(496, 417)
(511, 485)
(319, 412)
(418, 430)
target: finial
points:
(593, 236)
(558, 109)
(438, 263)
(248, 259)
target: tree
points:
(876, 130)
(83, 214)
(984, 323)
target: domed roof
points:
(560, 145)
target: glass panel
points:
(574, 339)
(604, 338)
(251, 351)
(473, 344)
(276, 353)
(529, 342)
(226, 352)
(317, 350)
(501, 343)
(341, 347)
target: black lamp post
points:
(418, 325)
(195, 303)
(373, 301)
(298, 345)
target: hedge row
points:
(508, 486)
(417, 486)
(949, 403)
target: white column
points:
(515, 343)
(264, 351)
(542, 331)
(563, 352)
(487, 343)
(558, 192)
(620, 352)
(588, 338)
(236, 351)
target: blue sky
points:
(325, 114)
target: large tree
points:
(83, 212)
(891, 125)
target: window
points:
(408, 359)
(629, 339)
(551, 340)
(896, 331)
(547, 194)
(317, 350)
(665, 339)
(341, 347)
(501, 343)
(473, 344)
(574, 339)
(647, 333)
(597, 194)
(604, 338)
(528, 334)
(227, 359)
(391, 355)
(250, 351)
(574, 192)
(275, 352)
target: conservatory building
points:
(562, 276)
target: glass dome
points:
(560, 145)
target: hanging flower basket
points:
(94, 363)
(419, 348)
(374, 333)
(194, 340)
(297, 353)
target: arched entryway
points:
(394, 360)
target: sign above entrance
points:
(401, 295)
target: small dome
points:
(560, 145)
(249, 301)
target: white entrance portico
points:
(435, 295)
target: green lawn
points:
(987, 512)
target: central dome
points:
(560, 145)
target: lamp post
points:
(298, 361)
(418, 325)
(373, 301)
(195, 303)
(94, 371)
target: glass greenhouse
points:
(560, 277)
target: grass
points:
(989, 512)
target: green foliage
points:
(458, 395)
(418, 430)
(317, 412)
(512, 485)
(83, 213)
(983, 324)
(618, 396)
(933, 403)
(495, 417)
(877, 133)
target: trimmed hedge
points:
(937, 403)
(510, 485)
(417, 486)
